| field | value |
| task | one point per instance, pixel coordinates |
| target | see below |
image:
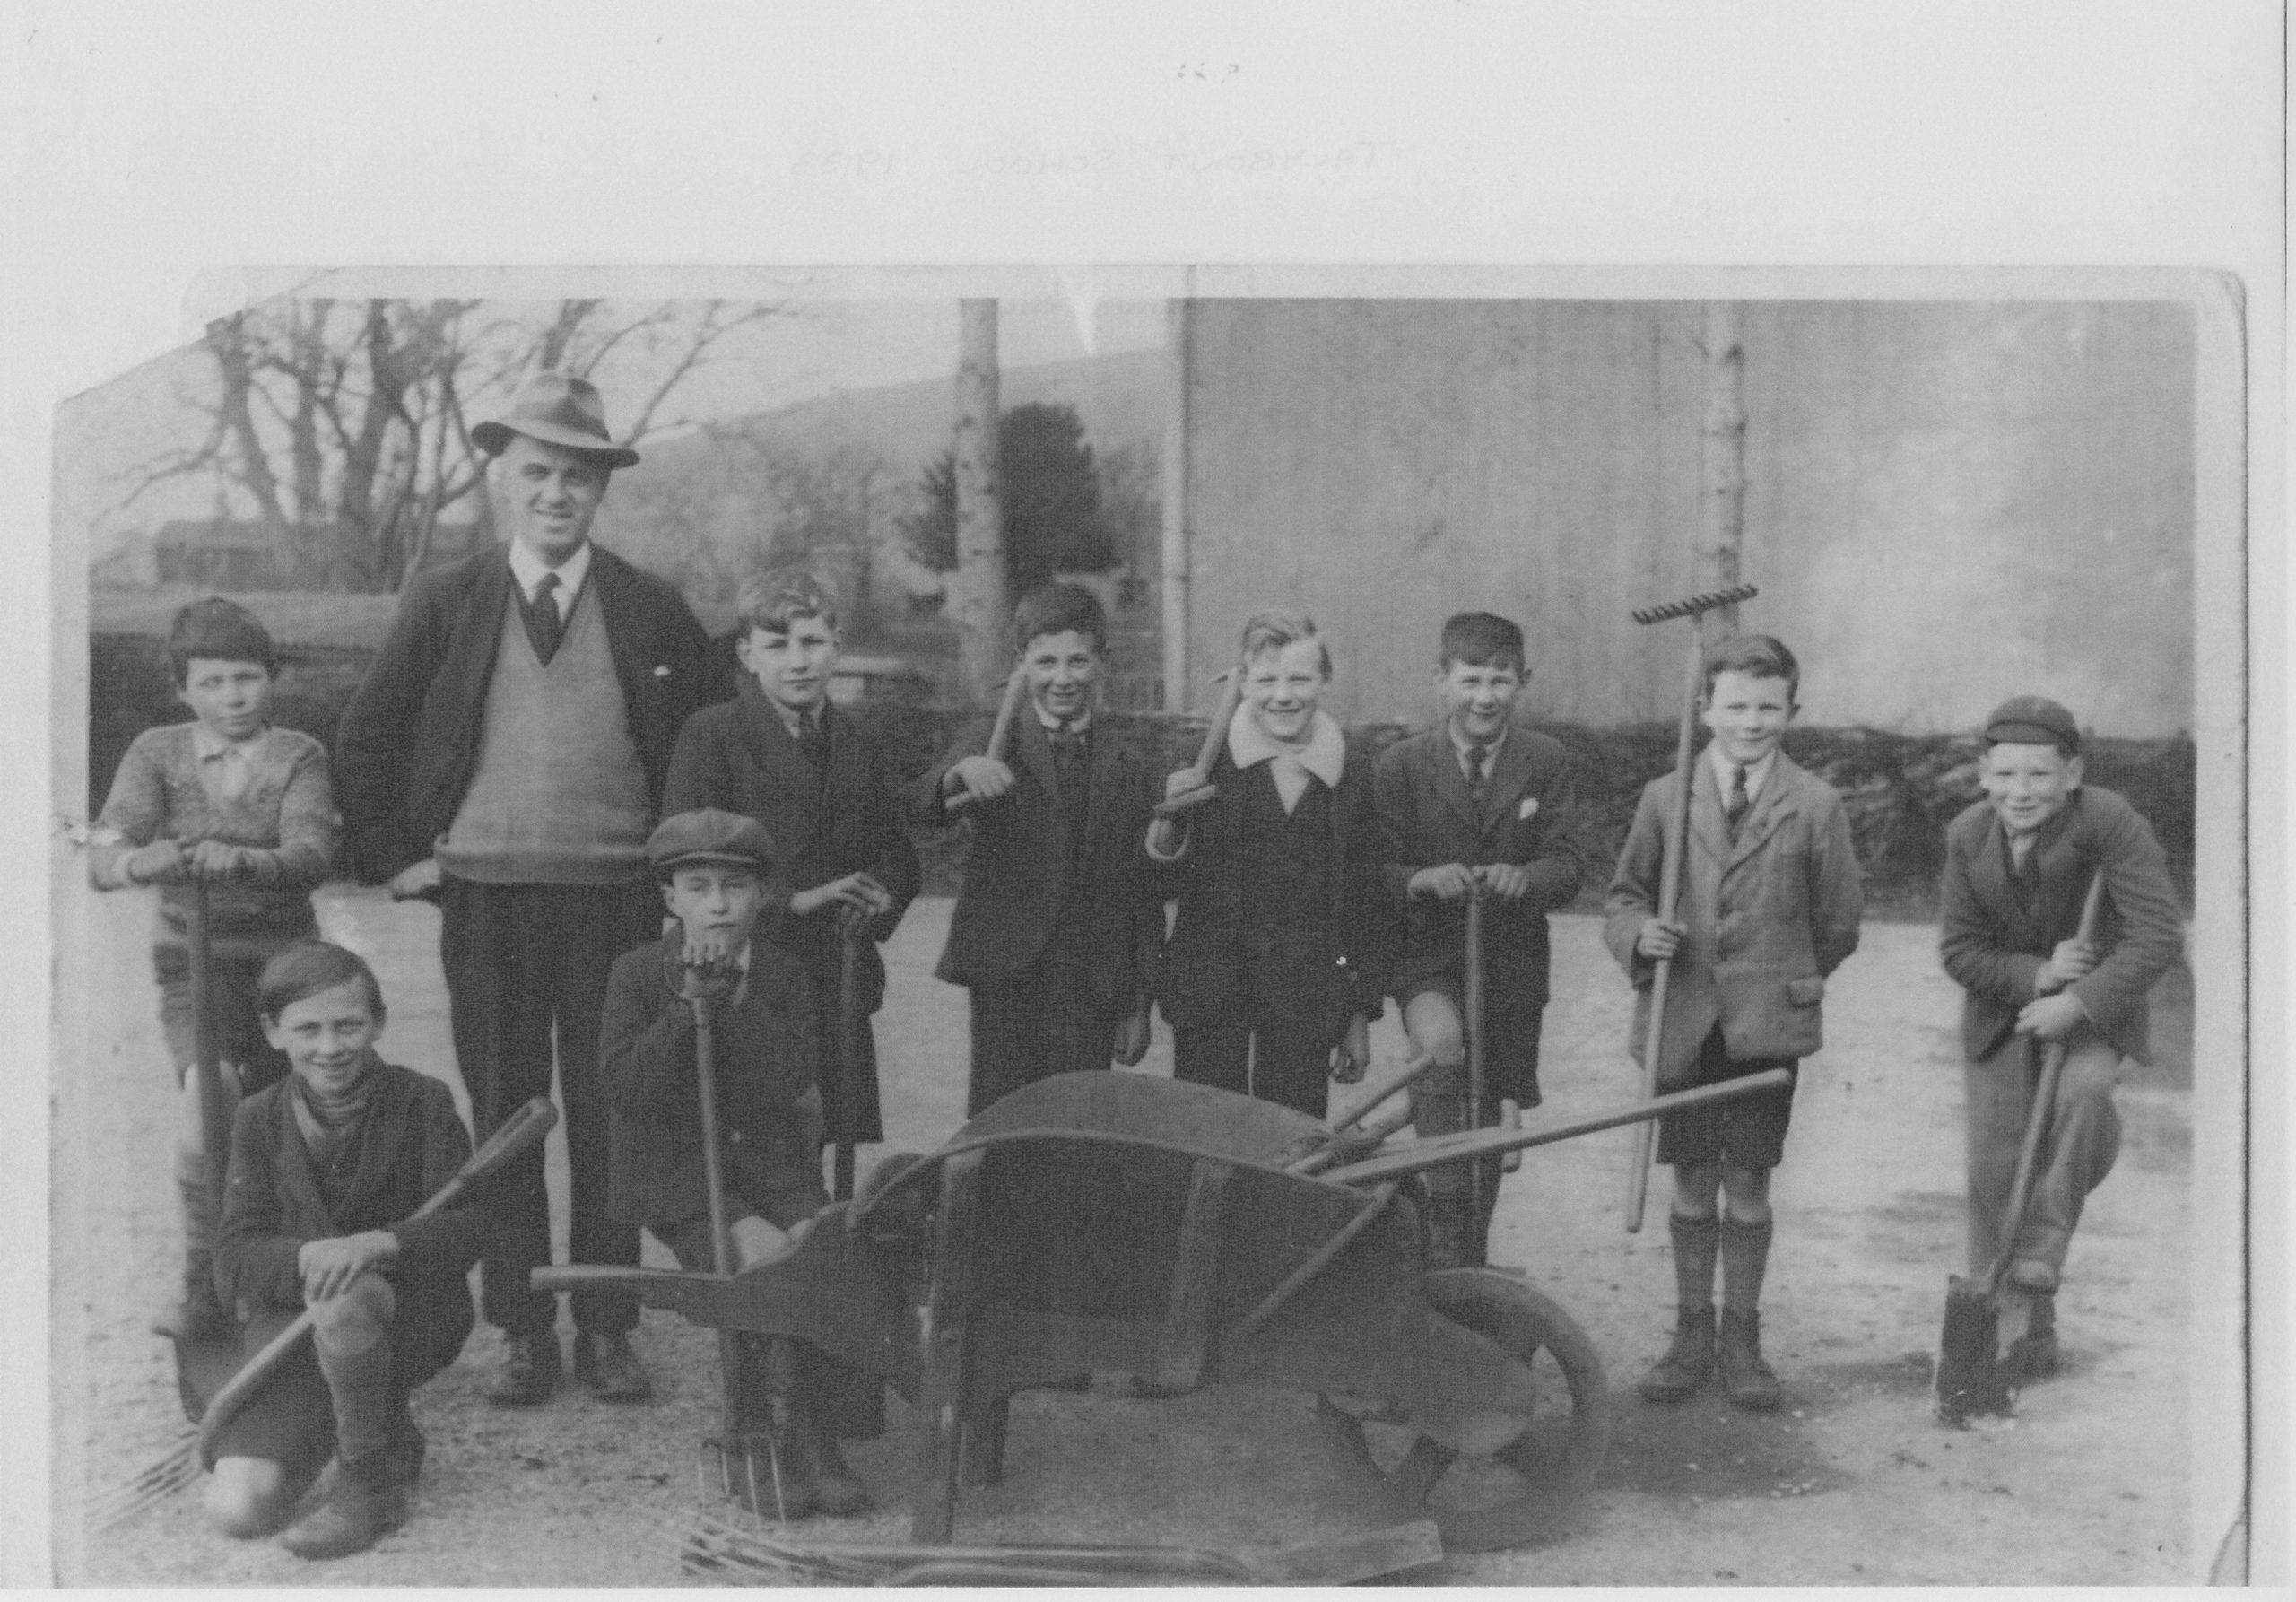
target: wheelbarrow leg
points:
(946, 1350)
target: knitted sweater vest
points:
(559, 796)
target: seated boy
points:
(2017, 869)
(245, 810)
(326, 1168)
(1770, 906)
(1058, 920)
(817, 780)
(1474, 805)
(715, 868)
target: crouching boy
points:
(325, 1166)
(1770, 907)
(714, 868)
(2017, 870)
(1475, 807)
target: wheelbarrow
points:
(1114, 1222)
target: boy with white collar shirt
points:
(1055, 932)
(1475, 804)
(1770, 901)
(247, 811)
(1278, 959)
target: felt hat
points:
(2032, 720)
(223, 630)
(709, 835)
(556, 408)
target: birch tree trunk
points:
(1722, 465)
(982, 607)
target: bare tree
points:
(345, 425)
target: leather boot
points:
(1676, 1376)
(2033, 1355)
(1746, 1379)
(367, 1505)
(838, 1491)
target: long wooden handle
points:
(721, 1236)
(1207, 752)
(848, 1062)
(215, 1129)
(1471, 998)
(1670, 889)
(2021, 1189)
(518, 1133)
(1000, 737)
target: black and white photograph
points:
(1312, 923)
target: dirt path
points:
(1852, 1482)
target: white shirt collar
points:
(1757, 773)
(527, 568)
(1324, 754)
(1053, 725)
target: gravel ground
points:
(1851, 1483)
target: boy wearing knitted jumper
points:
(245, 811)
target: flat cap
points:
(2032, 720)
(709, 835)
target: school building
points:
(1944, 502)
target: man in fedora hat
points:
(505, 757)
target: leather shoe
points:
(362, 1511)
(530, 1368)
(606, 1364)
(1676, 1376)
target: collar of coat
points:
(1324, 754)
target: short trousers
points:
(290, 1420)
(1748, 1133)
(1510, 1037)
(238, 1023)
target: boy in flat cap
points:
(715, 868)
(246, 811)
(504, 756)
(2017, 869)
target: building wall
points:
(1945, 502)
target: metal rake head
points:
(110, 1508)
(1691, 605)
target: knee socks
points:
(199, 1224)
(1745, 1253)
(356, 1360)
(1696, 1241)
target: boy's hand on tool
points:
(983, 777)
(1509, 881)
(2072, 960)
(1449, 883)
(1130, 1041)
(1660, 941)
(1353, 1055)
(706, 969)
(159, 863)
(419, 883)
(2051, 1017)
(328, 1267)
(854, 890)
(214, 860)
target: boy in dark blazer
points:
(814, 777)
(1278, 959)
(326, 1165)
(1058, 922)
(1475, 804)
(2017, 869)
(1770, 901)
(715, 869)
(505, 757)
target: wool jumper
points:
(559, 796)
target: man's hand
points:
(854, 890)
(983, 777)
(159, 863)
(1449, 883)
(2051, 1017)
(2072, 960)
(419, 883)
(1509, 881)
(1353, 1055)
(1660, 941)
(328, 1267)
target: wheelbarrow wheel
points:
(1521, 1493)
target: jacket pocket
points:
(1804, 992)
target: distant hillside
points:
(1120, 398)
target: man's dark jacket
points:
(409, 740)
(1025, 855)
